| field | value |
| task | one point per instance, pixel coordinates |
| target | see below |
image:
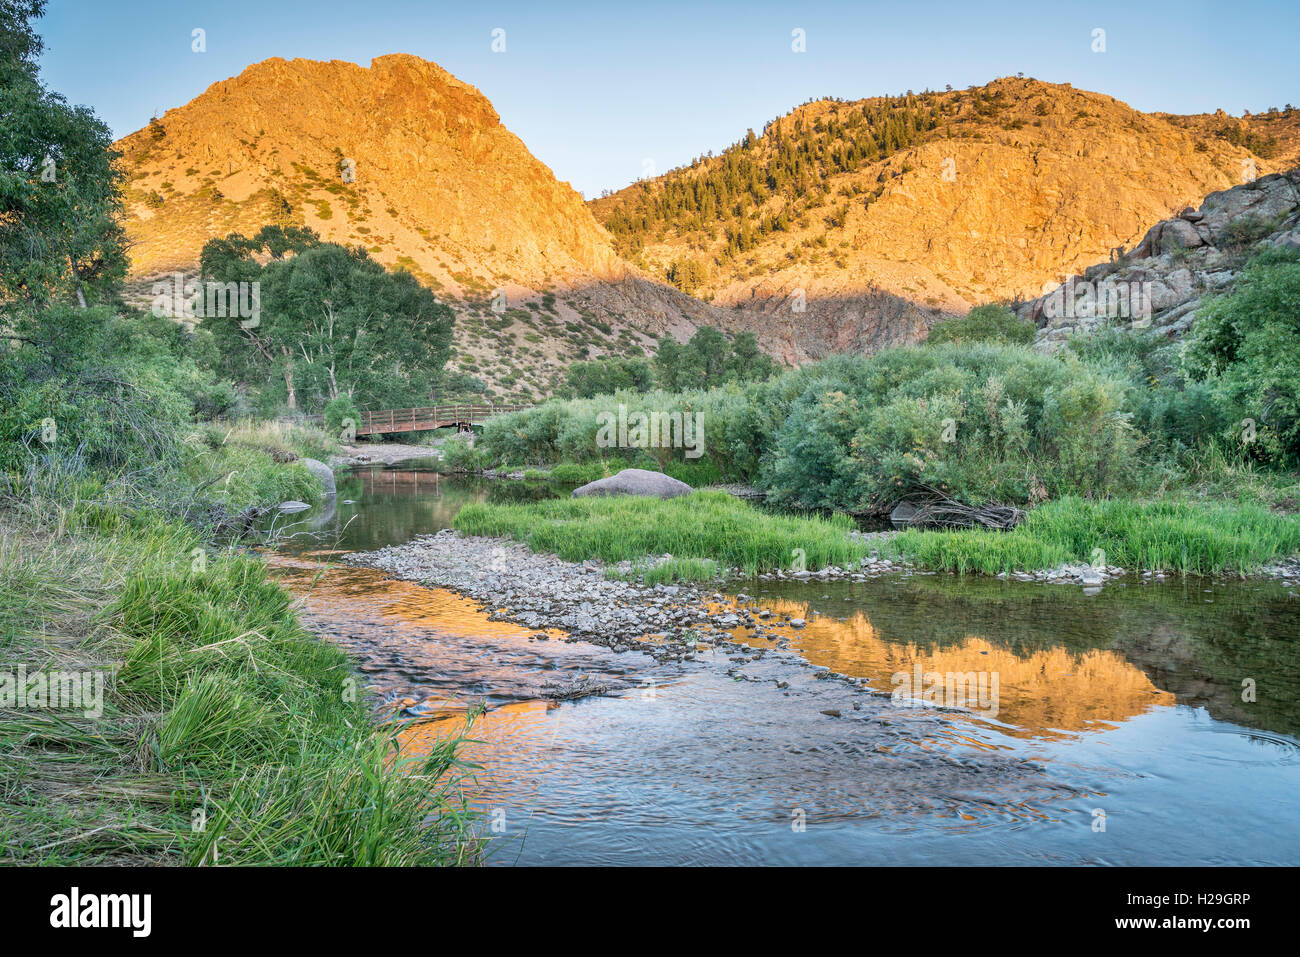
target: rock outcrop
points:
(1163, 281)
(414, 165)
(1016, 184)
(1020, 183)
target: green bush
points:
(460, 455)
(1246, 347)
(339, 412)
(988, 323)
(976, 422)
(731, 434)
(86, 382)
(1173, 412)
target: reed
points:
(696, 529)
(1191, 538)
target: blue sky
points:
(595, 89)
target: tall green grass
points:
(230, 734)
(701, 526)
(1178, 536)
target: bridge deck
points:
(429, 417)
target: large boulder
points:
(322, 472)
(635, 482)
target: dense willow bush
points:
(854, 432)
(979, 423)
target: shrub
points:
(979, 423)
(1174, 413)
(85, 381)
(339, 412)
(1246, 347)
(989, 323)
(460, 455)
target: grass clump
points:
(1180, 536)
(697, 530)
(228, 733)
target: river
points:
(1145, 724)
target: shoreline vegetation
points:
(1126, 448)
(210, 727)
(708, 534)
(222, 731)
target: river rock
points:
(322, 471)
(635, 482)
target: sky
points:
(605, 92)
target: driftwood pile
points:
(932, 509)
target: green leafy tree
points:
(747, 362)
(668, 355)
(709, 359)
(332, 322)
(583, 380)
(60, 238)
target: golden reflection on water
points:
(516, 728)
(409, 610)
(1046, 694)
(339, 588)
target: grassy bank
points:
(1184, 537)
(709, 532)
(225, 732)
(698, 530)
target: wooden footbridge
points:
(430, 417)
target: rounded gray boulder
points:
(322, 472)
(635, 482)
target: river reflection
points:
(1128, 702)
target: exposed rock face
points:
(402, 157)
(1163, 281)
(635, 482)
(413, 164)
(409, 162)
(1021, 184)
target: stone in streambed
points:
(635, 482)
(322, 472)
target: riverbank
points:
(710, 536)
(160, 701)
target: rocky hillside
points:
(881, 215)
(1162, 281)
(843, 226)
(411, 163)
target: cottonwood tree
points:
(709, 360)
(60, 236)
(332, 321)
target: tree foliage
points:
(1246, 346)
(709, 359)
(989, 323)
(59, 203)
(332, 322)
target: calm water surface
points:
(1120, 736)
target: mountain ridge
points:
(927, 205)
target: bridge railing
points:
(405, 420)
